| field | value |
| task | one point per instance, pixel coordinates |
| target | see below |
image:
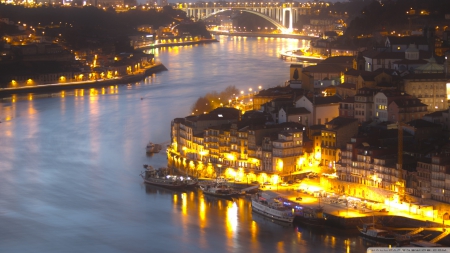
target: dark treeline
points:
(90, 17)
(392, 15)
(76, 26)
(213, 100)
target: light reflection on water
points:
(70, 164)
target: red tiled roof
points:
(297, 110)
(351, 86)
(324, 68)
(407, 40)
(405, 103)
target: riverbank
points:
(346, 218)
(50, 88)
(269, 35)
(187, 43)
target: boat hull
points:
(389, 240)
(153, 148)
(164, 183)
(192, 185)
(317, 222)
(271, 213)
(217, 193)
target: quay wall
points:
(378, 194)
(269, 35)
(84, 85)
(382, 220)
(203, 41)
(350, 224)
(397, 224)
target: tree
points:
(295, 75)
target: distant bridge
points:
(282, 15)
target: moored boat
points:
(369, 231)
(269, 204)
(160, 177)
(218, 189)
(153, 148)
(189, 182)
(311, 216)
(186, 181)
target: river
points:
(70, 164)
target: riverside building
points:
(220, 143)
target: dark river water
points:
(70, 164)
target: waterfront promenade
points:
(292, 192)
(56, 87)
(260, 34)
(185, 43)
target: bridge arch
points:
(271, 20)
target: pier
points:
(298, 56)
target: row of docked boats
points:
(275, 207)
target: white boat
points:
(153, 147)
(270, 205)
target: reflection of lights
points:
(254, 230)
(232, 211)
(202, 209)
(184, 203)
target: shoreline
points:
(343, 218)
(269, 35)
(187, 43)
(51, 88)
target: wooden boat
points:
(187, 181)
(369, 231)
(311, 216)
(153, 148)
(218, 189)
(160, 177)
(271, 206)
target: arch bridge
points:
(283, 15)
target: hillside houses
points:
(382, 130)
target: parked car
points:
(255, 182)
(284, 184)
(299, 198)
(290, 182)
(298, 180)
(267, 183)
